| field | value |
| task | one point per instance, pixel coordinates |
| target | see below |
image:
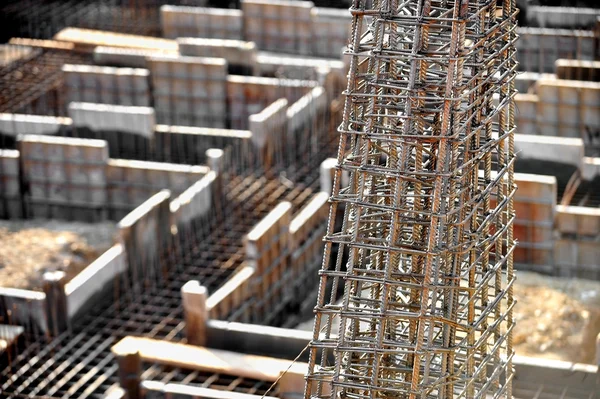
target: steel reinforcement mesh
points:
(42, 19)
(34, 85)
(79, 363)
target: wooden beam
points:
(204, 359)
(195, 312)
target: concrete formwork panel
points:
(535, 208)
(10, 185)
(95, 281)
(538, 48)
(188, 145)
(89, 39)
(64, 177)
(267, 252)
(217, 23)
(248, 95)
(562, 17)
(284, 26)
(130, 183)
(578, 70)
(189, 90)
(330, 29)
(240, 55)
(107, 85)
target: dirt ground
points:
(28, 248)
(557, 318)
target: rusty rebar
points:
(427, 138)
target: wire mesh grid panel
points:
(79, 363)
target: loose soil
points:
(557, 318)
(28, 248)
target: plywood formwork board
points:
(238, 53)
(535, 209)
(143, 233)
(15, 124)
(266, 248)
(539, 48)
(247, 95)
(578, 220)
(232, 294)
(66, 177)
(136, 120)
(585, 70)
(189, 90)
(561, 150)
(330, 30)
(107, 85)
(284, 26)
(183, 391)
(217, 23)
(10, 186)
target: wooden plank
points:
(204, 359)
(86, 39)
(49, 44)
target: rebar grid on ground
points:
(427, 138)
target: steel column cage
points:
(427, 138)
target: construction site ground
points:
(557, 318)
(31, 247)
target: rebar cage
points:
(427, 139)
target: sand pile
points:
(29, 248)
